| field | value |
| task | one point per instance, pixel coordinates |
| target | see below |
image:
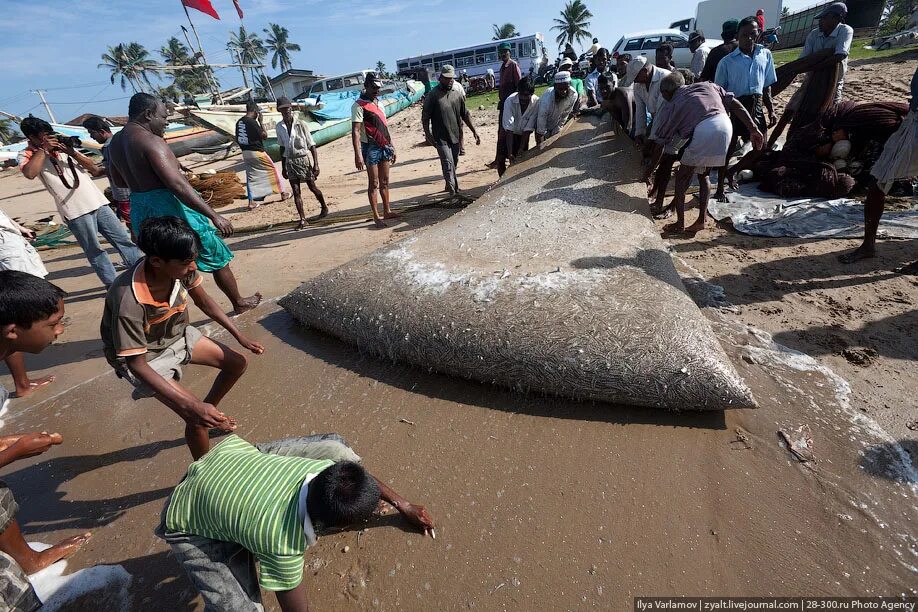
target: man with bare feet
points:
(147, 337)
(898, 160)
(443, 115)
(299, 159)
(31, 311)
(373, 149)
(17, 559)
(698, 112)
(142, 160)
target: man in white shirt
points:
(556, 106)
(519, 117)
(300, 159)
(80, 203)
(647, 97)
(601, 63)
(835, 35)
(594, 49)
(699, 51)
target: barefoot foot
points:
(246, 304)
(379, 223)
(861, 252)
(664, 213)
(696, 227)
(390, 215)
(33, 385)
(59, 551)
(301, 225)
(674, 228)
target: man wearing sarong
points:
(373, 148)
(748, 73)
(300, 159)
(510, 76)
(142, 161)
(898, 160)
(261, 176)
(698, 112)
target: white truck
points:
(711, 14)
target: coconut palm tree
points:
(116, 60)
(277, 43)
(7, 130)
(141, 64)
(175, 53)
(573, 24)
(381, 69)
(250, 49)
(508, 30)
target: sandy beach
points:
(540, 502)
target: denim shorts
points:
(373, 154)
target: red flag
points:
(202, 5)
(238, 8)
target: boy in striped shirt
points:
(241, 503)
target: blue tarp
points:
(338, 105)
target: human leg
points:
(683, 180)
(372, 187)
(704, 196)
(117, 235)
(444, 151)
(454, 152)
(226, 281)
(232, 366)
(298, 202)
(383, 174)
(720, 195)
(321, 199)
(661, 182)
(86, 232)
(24, 386)
(329, 446)
(873, 211)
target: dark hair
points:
(525, 86)
(687, 75)
(96, 123)
(33, 126)
(747, 21)
(250, 106)
(26, 299)
(666, 48)
(342, 494)
(168, 238)
(141, 103)
(625, 57)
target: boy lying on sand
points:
(148, 339)
(242, 502)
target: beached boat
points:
(180, 137)
(327, 121)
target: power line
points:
(85, 85)
(91, 101)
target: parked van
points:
(345, 82)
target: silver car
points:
(646, 43)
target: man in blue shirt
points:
(748, 73)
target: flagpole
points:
(214, 88)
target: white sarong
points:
(15, 251)
(899, 159)
(710, 141)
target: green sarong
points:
(214, 255)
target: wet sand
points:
(539, 502)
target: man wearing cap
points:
(299, 158)
(748, 73)
(510, 76)
(696, 42)
(601, 67)
(728, 35)
(373, 148)
(835, 35)
(442, 117)
(647, 98)
(576, 84)
(556, 106)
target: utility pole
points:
(41, 94)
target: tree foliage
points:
(573, 24)
(896, 16)
(131, 63)
(277, 42)
(508, 30)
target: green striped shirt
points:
(236, 493)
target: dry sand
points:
(540, 503)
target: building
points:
(863, 15)
(293, 82)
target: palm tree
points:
(250, 49)
(380, 68)
(572, 27)
(141, 64)
(7, 130)
(115, 59)
(175, 53)
(508, 30)
(277, 42)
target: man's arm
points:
(166, 168)
(467, 118)
(640, 117)
(33, 166)
(209, 307)
(315, 159)
(425, 121)
(355, 142)
(542, 116)
(769, 105)
(740, 112)
(90, 166)
(416, 514)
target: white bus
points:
(528, 51)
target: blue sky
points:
(57, 44)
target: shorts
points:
(167, 364)
(16, 592)
(373, 154)
(299, 169)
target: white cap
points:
(634, 67)
(563, 77)
(566, 62)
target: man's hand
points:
(51, 144)
(429, 140)
(315, 171)
(284, 170)
(33, 444)
(417, 515)
(477, 139)
(27, 233)
(209, 416)
(358, 162)
(251, 345)
(758, 140)
(223, 224)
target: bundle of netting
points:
(219, 189)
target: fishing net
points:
(219, 189)
(555, 281)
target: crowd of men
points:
(167, 235)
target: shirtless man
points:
(142, 160)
